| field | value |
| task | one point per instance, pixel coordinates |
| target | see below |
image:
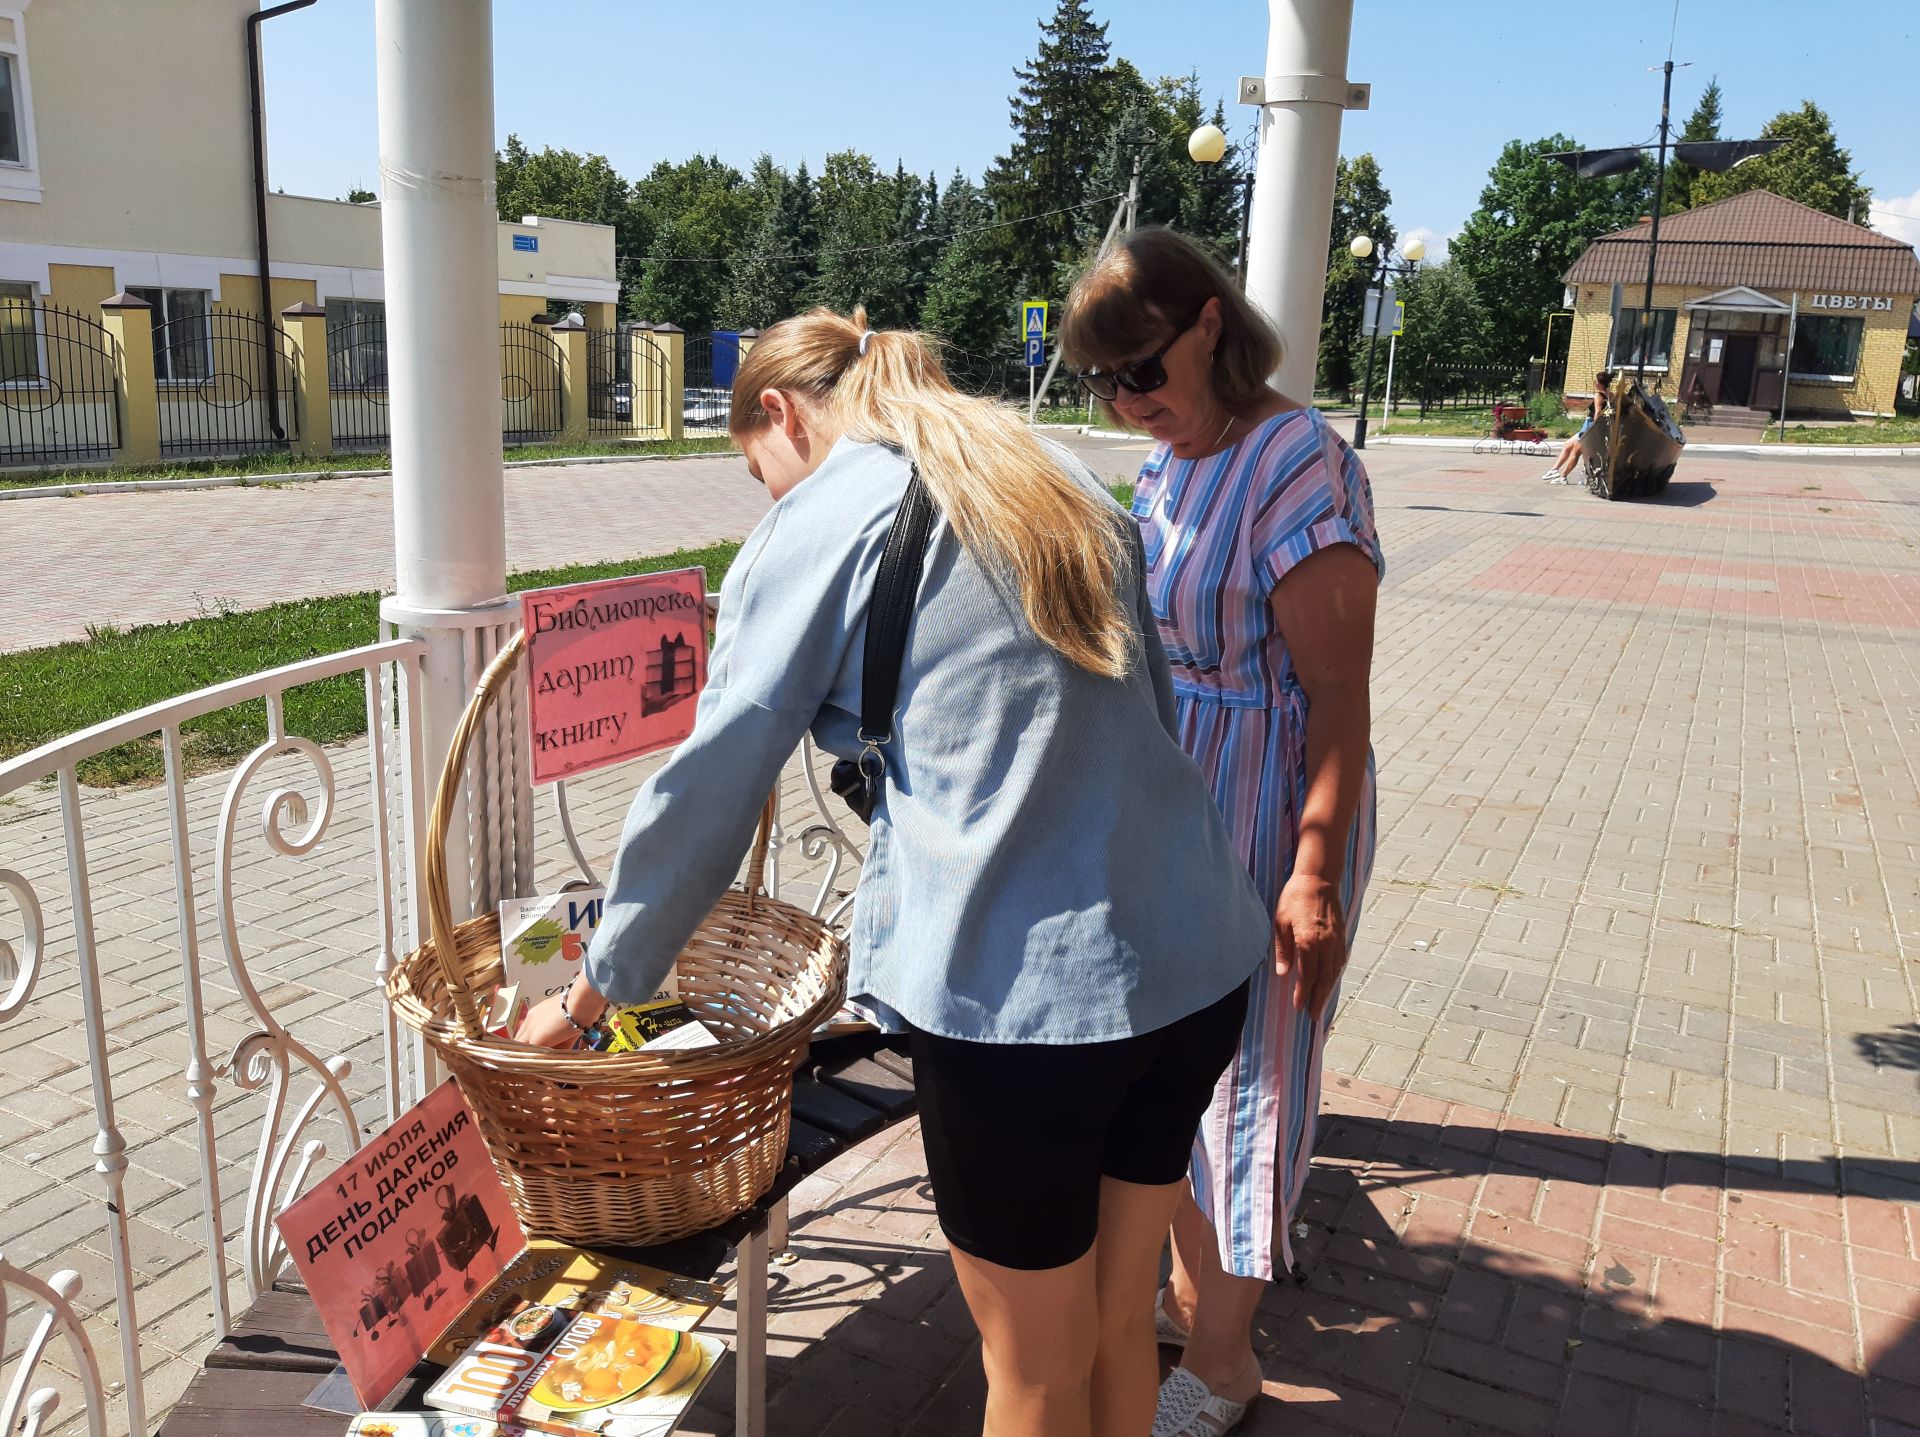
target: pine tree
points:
(970, 300)
(1813, 169)
(1702, 124)
(1060, 116)
(771, 273)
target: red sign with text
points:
(614, 668)
(400, 1238)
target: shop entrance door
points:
(1736, 369)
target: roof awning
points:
(1750, 301)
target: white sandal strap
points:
(1165, 1329)
(1189, 1408)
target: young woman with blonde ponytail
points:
(1068, 1021)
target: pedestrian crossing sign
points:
(1033, 324)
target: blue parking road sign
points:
(1036, 354)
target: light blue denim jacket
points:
(1046, 866)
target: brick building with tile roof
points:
(1752, 295)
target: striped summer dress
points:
(1220, 533)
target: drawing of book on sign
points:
(672, 675)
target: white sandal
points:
(1165, 1330)
(1190, 1408)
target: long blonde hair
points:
(1056, 542)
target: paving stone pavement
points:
(155, 557)
(1648, 872)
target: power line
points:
(864, 248)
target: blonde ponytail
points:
(1058, 544)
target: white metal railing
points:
(300, 1090)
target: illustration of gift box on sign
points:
(465, 1228)
(423, 1267)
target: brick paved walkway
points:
(1650, 872)
(1466, 1274)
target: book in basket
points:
(563, 1370)
(542, 941)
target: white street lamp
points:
(1361, 247)
(1208, 146)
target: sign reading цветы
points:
(613, 668)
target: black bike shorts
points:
(1019, 1135)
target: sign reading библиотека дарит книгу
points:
(613, 670)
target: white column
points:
(1302, 96)
(434, 62)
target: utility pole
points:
(1653, 239)
(1303, 95)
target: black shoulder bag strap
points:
(889, 616)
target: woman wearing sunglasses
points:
(1263, 567)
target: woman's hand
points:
(546, 1025)
(1309, 940)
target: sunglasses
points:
(1140, 376)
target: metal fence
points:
(59, 397)
(226, 384)
(711, 362)
(626, 382)
(357, 384)
(1469, 386)
(529, 384)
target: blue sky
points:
(1453, 80)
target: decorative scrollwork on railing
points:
(266, 1059)
(27, 1409)
(818, 839)
(20, 971)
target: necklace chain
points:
(1223, 430)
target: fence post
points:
(305, 326)
(130, 322)
(570, 334)
(747, 338)
(673, 339)
(1426, 385)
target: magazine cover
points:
(428, 1424)
(542, 941)
(607, 1375)
(552, 1274)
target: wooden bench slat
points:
(228, 1401)
(873, 1085)
(834, 1111)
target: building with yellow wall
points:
(126, 165)
(1753, 296)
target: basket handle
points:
(446, 797)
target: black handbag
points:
(895, 587)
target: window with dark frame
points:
(19, 335)
(11, 150)
(1625, 353)
(182, 334)
(1826, 346)
(356, 344)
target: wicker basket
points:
(630, 1148)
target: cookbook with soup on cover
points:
(562, 1370)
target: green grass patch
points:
(1865, 431)
(1064, 414)
(48, 693)
(266, 466)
